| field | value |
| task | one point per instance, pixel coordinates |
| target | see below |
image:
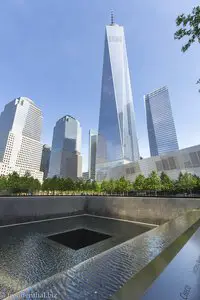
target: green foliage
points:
(60, 184)
(69, 184)
(153, 182)
(122, 186)
(80, 185)
(46, 185)
(14, 184)
(27, 174)
(186, 182)
(95, 186)
(3, 183)
(54, 183)
(139, 184)
(105, 188)
(166, 183)
(111, 186)
(190, 28)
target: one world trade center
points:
(117, 138)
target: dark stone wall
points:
(150, 210)
(22, 209)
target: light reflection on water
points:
(100, 277)
(28, 257)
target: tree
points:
(25, 183)
(186, 182)
(53, 182)
(27, 174)
(35, 185)
(122, 186)
(190, 28)
(104, 186)
(95, 186)
(3, 183)
(13, 183)
(111, 186)
(69, 184)
(166, 183)
(79, 185)
(87, 185)
(108, 187)
(61, 184)
(46, 185)
(139, 184)
(153, 182)
(197, 187)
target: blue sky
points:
(52, 52)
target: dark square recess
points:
(79, 238)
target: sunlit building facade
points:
(117, 138)
(20, 135)
(171, 163)
(160, 122)
(66, 160)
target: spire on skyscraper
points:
(112, 18)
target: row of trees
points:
(59, 185)
(186, 183)
(14, 184)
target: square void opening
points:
(79, 238)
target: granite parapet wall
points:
(150, 210)
(142, 209)
(24, 209)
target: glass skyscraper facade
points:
(160, 122)
(93, 139)
(117, 139)
(46, 153)
(65, 160)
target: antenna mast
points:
(112, 18)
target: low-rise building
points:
(172, 163)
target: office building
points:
(117, 139)
(85, 176)
(172, 163)
(46, 152)
(65, 160)
(93, 138)
(20, 134)
(160, 122)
